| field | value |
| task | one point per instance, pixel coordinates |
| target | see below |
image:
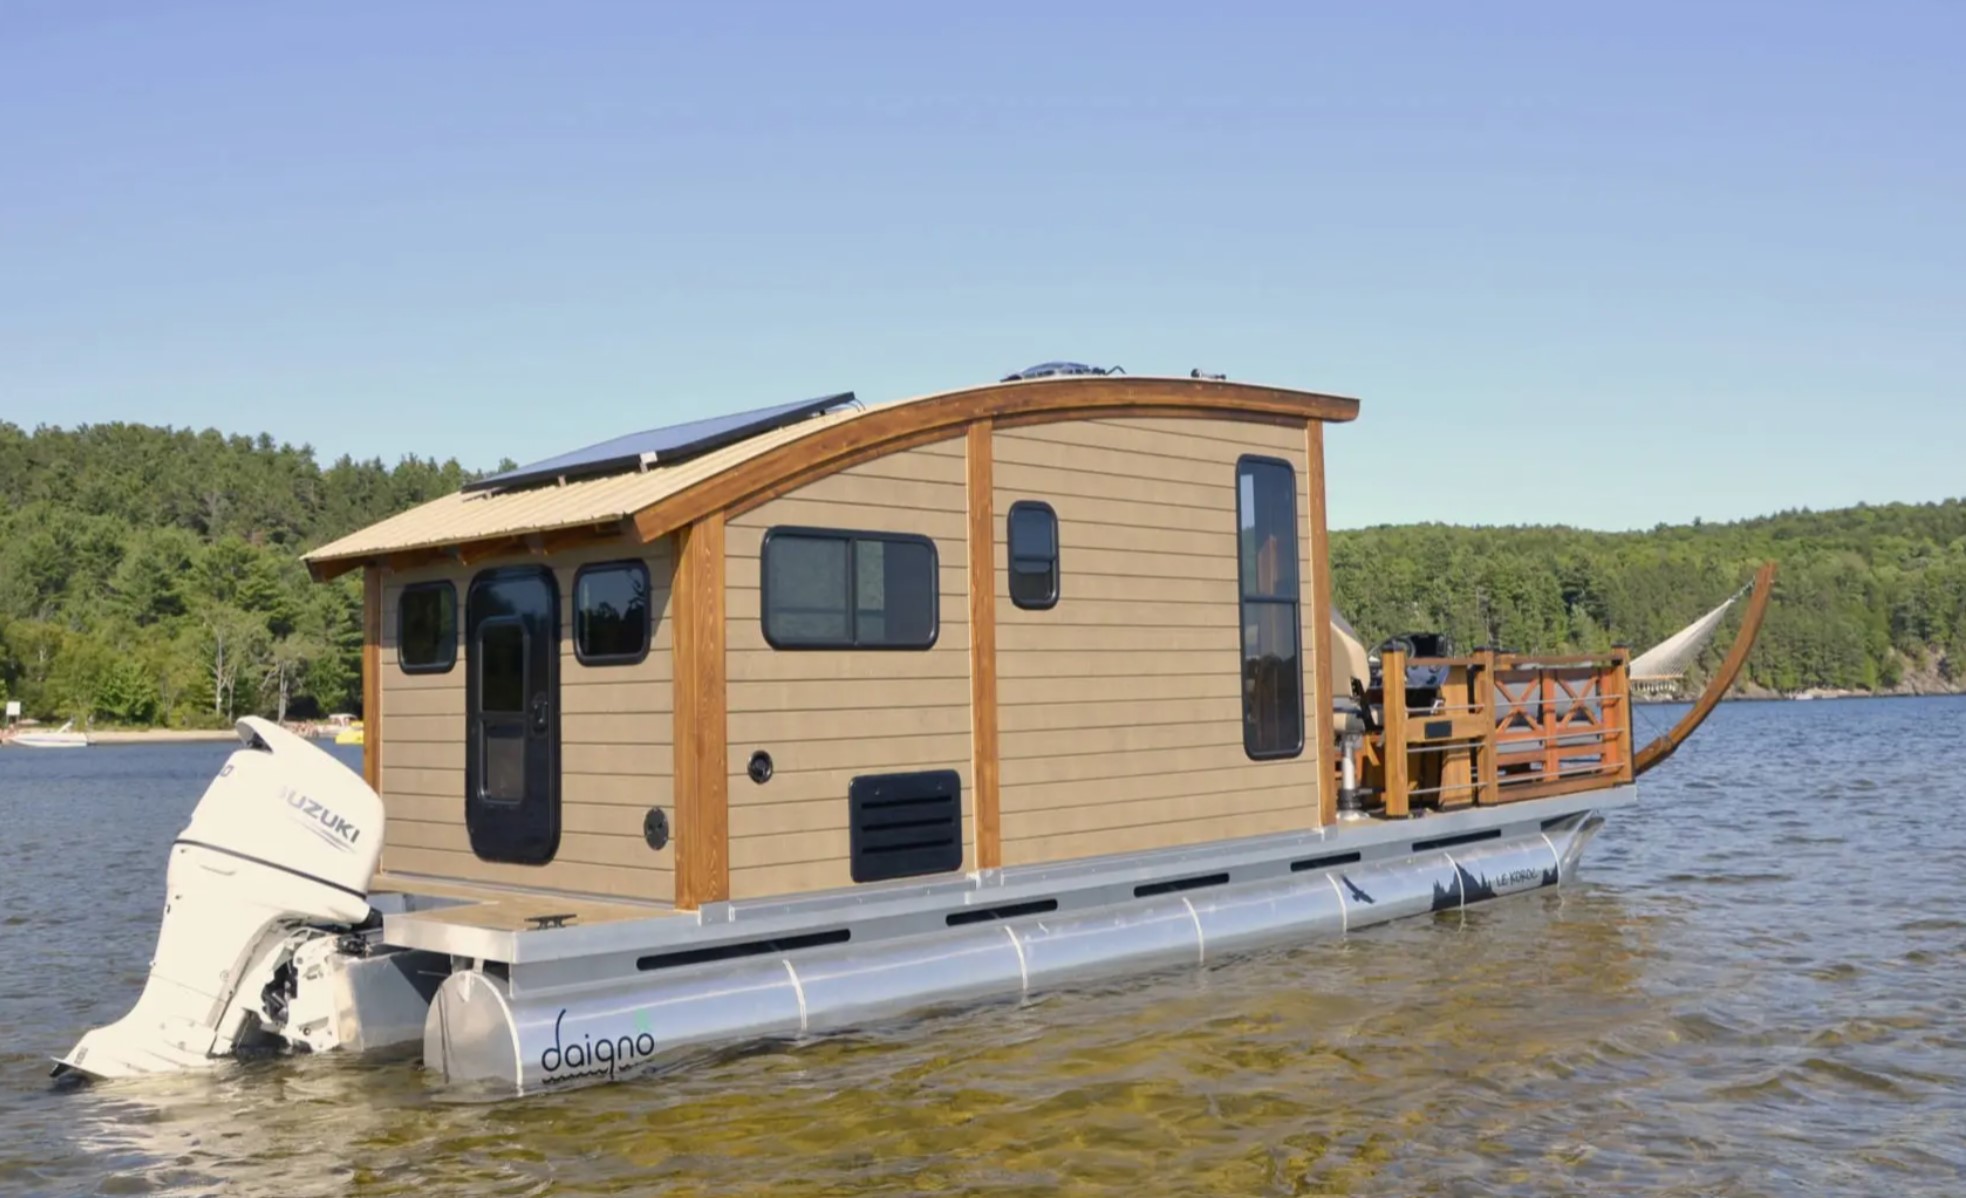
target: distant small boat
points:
(64, 737)
(351, 735)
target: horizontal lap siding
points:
(1120, 709)
(829, 716)
(616, 753)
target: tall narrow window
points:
(611, 614)
(426, 628)
(1272, 674)
(849, 590)
(1033, 537)
(502, 692)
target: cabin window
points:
(1272, 673)
(825, 589)
(611, 614)
(426, 628)
(1033, 537)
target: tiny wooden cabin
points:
(825, 646)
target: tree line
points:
(152, 576)
(1869, 598)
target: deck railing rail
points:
(1501, 728)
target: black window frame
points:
(1295, 602)
(580, 653)
(852, 536)
(449, 661)
(1011, 555)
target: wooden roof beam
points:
(902, 426)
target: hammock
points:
(1668, 660)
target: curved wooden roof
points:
(655, 502)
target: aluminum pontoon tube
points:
(481, 1031)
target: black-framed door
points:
(512, 715)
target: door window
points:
(502, 668)
(502, 692)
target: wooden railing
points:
(1503, 728)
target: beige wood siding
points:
(616, 730)
(1121, 708)
(826, 716)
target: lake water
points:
(1759, 987)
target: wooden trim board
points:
(372, 678)
(1320, 669)
(701, 784)
(983, 645)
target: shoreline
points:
(1803, 696)
(169, 736)
(162, 736)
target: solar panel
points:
(638, 451)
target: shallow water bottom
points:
(1759, 988)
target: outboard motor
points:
(278, 855)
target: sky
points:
(1601, 265)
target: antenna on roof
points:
(1052, 370)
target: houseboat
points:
(819, 714)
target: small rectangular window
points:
(1272, 667)
(849, 590)
(426, 628)
(611, 613)
(1033, 537)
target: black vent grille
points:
(905, 825)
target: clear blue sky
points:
(1604, 264)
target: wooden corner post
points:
(1317, 675)
(1618, 750)
(372, 677)
(1488, 777)
(1392, 718)
(702, 779)
(981, 478)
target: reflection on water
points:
(1760, 987)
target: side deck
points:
(1494, 747)
(600, 940)
(1494, 728)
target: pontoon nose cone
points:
(469, 1036)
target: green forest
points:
(151, 576)
(1869, 598)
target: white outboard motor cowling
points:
(279, 852)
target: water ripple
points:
(1758, 989)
